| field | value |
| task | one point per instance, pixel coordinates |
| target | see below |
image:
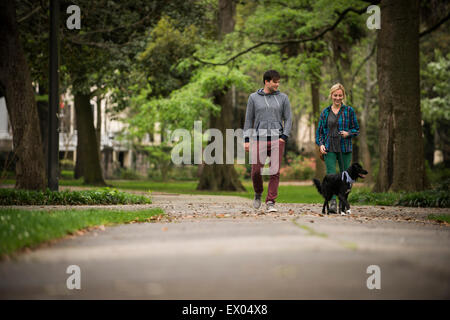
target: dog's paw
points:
(342, 213)
(349, 211)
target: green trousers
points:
(332, 157)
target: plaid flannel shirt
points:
(346, 122)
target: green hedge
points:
(85, 197)
(428, 198)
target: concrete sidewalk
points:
(217, 247)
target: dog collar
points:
(346, 177)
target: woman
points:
(337, 126)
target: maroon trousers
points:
(261, 150)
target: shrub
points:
(85, 197)
(184, 172)
(299, 168)
(129, 174)
(154, 175)
(241, 170)
(428, 198)
(66, 164)
(66, 174)
(438, 174)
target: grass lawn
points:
(23, 228)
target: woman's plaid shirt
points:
(347, 122)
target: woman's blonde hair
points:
(335, 87)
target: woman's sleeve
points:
(354, 126)
(319, 132)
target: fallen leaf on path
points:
(164, 229)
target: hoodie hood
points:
(262, 93)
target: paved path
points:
(217, 247)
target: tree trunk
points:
(78, 171)
(42, 108)
(341, 58)
(364, 150)
(15, 82)
(98, 127)
(227, 12)
(320, 165)
(400, 135)
(222, 176)
(87, 149)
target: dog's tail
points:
(318, 186)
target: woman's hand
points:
(323, 150)
(344, 134)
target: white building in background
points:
(5, 128)
(115, 154)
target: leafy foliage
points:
(437, 105)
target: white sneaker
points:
(257, 201)
(270, 206)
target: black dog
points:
(339, 184)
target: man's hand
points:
(247, 146)
(323, 150)
(344, 134)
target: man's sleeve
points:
(287, 115)
(249, 119)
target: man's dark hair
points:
(271, 75)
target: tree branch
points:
(29, 14)
(363, 62)
(437, 25)
(289, 41)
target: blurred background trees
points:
(166, 64)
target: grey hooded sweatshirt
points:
(264, 116)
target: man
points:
(266, 109)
